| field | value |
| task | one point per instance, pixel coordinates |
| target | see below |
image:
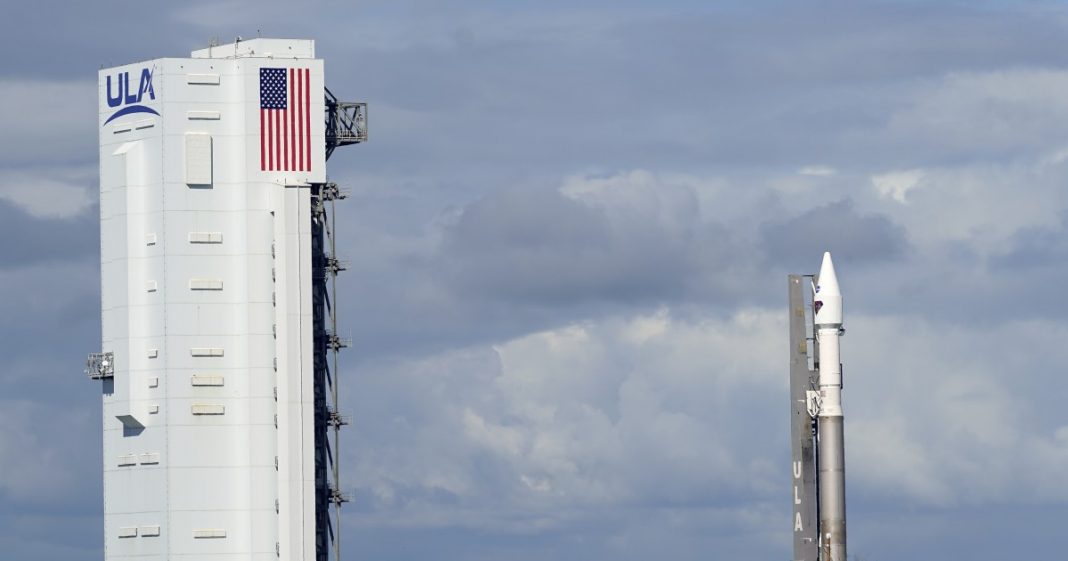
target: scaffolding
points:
(346, 124)
(328, 345)
(99, 366)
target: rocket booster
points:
(827, 303)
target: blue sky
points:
(568, 241)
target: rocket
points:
(827, 305)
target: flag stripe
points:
(300, 124)
(292, 143)
(262, 140)
(282, 138)
(270, 143)
(308, 115)
(281, 115)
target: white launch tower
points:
(217, 266)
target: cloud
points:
(1035, 247)
(49, 193)
(817, 171)
(34, 467)
(934, 421)
(655, 415)
(994, 115)
(896, 185)
(837, 227)
(575, 420)
(55, 123)
(626, 237)
(980, 205)
(41, 240)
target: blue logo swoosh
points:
(129, 110)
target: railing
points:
(100, 365)
(346, 122)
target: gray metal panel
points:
(832, 488)
(802, 443)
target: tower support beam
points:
(802, 425)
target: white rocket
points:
(827, 303)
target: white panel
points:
(205, 380)
(205, 237)
(198, 169)
(153, 353)
(128, 532)
(150, 286)
(209, 533)
(127, 460)
(153, 382)
(204, 79)
(208, 409)
(205, 284)
(153, 409)
(218, 441)
(124, 148)
(203, 115)
(206, 351)
(150, 238)
(149, 531)
(150, 458)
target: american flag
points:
(285, 119)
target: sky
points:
(568, 241)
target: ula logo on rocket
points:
(127, 99)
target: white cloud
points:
(58, 193)
(998, 114)
(650, 409)
(931, 419)
(641, 409)
(636, 195)
(896, 185)
(818, 171)
(980, 205)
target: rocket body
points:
(828, 319)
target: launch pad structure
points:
(220, 344)
(816, 421)
(804, 353)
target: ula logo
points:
(128, 98)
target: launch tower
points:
(219, 333)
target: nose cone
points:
(828, 298)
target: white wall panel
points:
(198, 158)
